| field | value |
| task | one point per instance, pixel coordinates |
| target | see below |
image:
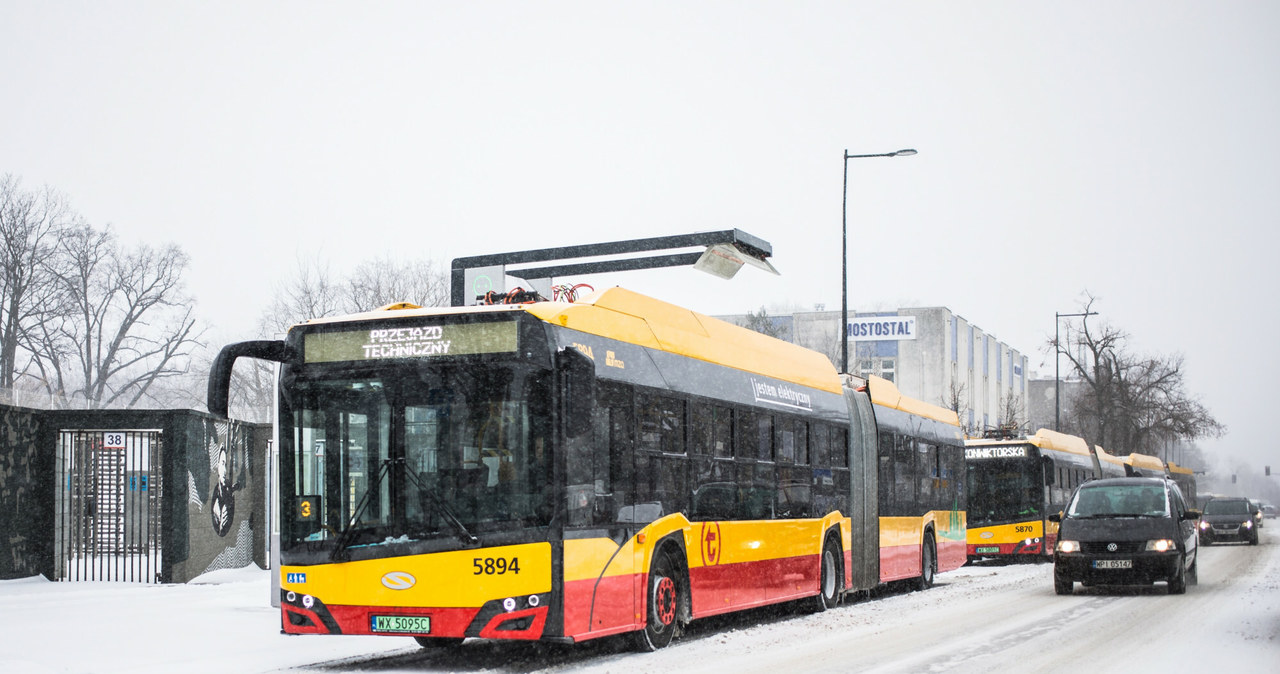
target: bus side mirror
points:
(578, 377)
(220, 372)
(1047, 463)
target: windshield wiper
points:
(463, 533)
(348, 535)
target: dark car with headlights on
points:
(1126, 531)
(1228, 519)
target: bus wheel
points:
(662, 604)
(437, 642)
(928, 562)
(829, 576)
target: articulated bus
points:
(1185, 478)
(1015, 483)
(563, 471)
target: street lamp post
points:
(1057, 377)
(844, 253)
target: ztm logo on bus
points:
(711, 543)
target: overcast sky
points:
(1127, 149)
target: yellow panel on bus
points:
(462, 578)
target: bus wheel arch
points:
(666, 599)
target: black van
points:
(1126, 531)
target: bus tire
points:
(830, 573)
(928, 562)
(662, 604)
(437, 642)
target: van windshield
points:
(1119, 501)
(1221, 507)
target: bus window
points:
(661, 424)
(712, 429)
(715, 496)
(927, 469)
(839, 448)
(764, 437)
(903, 470)
(786, 441)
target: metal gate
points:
(108, 505)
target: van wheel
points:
(662, 604)
(829, 577)
(1062, 585)
(1178, 584)
(928, 562)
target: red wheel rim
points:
(664, 601)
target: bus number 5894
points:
(490, 566)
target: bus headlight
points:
(1161, 545)
(1068, 547)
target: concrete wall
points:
(213, 477)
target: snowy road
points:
(977, 619)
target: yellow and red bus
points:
(1014, 484)
(563, 471)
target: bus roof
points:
(1175, 468)
(1145, 461)
(627, 316)
(1044, 439)
(884, 392)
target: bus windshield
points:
(434, 451)
(1004, 490)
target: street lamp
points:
(1057, 378)
(844, 253)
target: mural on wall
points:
(213, 495)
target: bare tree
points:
(1132, 403)
(31, 224)
(1013, 412)
(311, 292)
(382, 281)
(124, 323)
(956, 399)
(765, 324)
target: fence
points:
(108, 505)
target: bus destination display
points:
(423, 341)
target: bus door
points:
(601, 580)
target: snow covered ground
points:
(976, 619)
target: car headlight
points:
(1068, 546)
(1204, 524)
(1161, 545)
(1248, 524)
